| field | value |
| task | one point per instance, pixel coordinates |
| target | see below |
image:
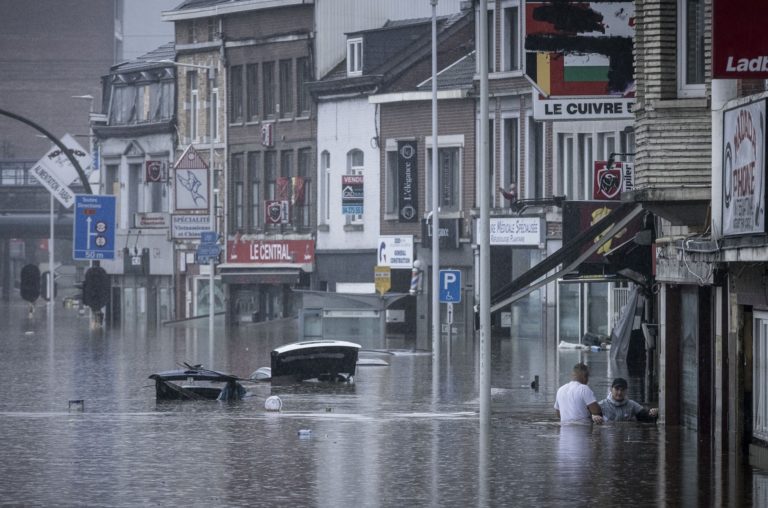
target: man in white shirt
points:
(575, 401)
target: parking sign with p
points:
(450, 286)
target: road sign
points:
(450, 286)
(94, 227)
(208, 237)
(382, 279)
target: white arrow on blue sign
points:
(94, 227)
(450, 286)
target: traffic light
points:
(30, 283)
(96, 288)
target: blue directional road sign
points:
(450, 286)
(208, 250)
(94, 227)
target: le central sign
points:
(269, 252)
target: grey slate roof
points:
(195, 4)
(459, 74)
(386, 49)
(149, 60)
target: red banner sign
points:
(739, 45)
(271, 252)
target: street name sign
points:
(94, 227)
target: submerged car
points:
(321, 360)
(197, 383)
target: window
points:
(301, 189)
(760, 376)
(303, 76)
(690, 48)
(270, 175)
(355, 57)
(325, 187)
(237, 222)
(112, 180)
(134, 174)
(211, 32)
(215, 113)
(194, 105)
(565, 175)
(510, 140)
(254, 177)
(537, 159)
(390, 198)
(236, 97)
(191, 32)
(627, 143)
(606, 145)
(586, 167)
(511, 39)
(252, 92)
(355, 166)
(490, 35)
(268, 75)
(286, 88)
(448, 176)
(286, 163)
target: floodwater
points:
(394, 438)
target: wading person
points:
(618, 408)
(575, 401)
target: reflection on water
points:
(387, 440)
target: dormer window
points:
(355, 57)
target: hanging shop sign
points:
(269, 252)
(610, 181)
(518, 231)
(407, 182)
(744, 192)
(395, 251)
(739, 45)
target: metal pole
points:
(51, 302)
(435, 202)
(212, 216)
(483, 226)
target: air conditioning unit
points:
(268, 134)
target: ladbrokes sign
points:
(739, 45)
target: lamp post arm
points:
(62, 147)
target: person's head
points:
(619, 389)
(580, 373)
(512, 187)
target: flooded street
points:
(397, 437)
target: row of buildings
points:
(307, 126)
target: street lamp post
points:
(436, 332)
(211, 201)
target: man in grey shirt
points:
(618, 408)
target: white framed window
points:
(606, 145)
(510, 150)
(215, 113)
(536, 148)
(565, 176)
(690, 48)
(355, 166)
(491, 36)
(325, 187)
(194, 105)
(449, 153)
(390, 181)
(510, 43)
(355, 57)
(760, 376)
(586, 166)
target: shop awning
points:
(259, 276)
(537, 275)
